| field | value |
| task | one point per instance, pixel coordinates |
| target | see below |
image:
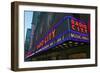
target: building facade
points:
(48, 25)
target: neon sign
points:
(78, 31)
(50, 36)
(69, 28)
(79, 26)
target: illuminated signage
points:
(73, 35)
(50, 36)
(78, 26)
(68, 28)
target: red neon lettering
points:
(73, 26)
(85, 29)
(53, 34)
(81, 28)
(78, 26)
(50, 36)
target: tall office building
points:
(35, 20)
(27, 40)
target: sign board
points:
(69, 28)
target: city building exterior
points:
(58, 36)
(27, 41)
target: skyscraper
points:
(27, 40)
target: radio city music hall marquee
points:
(76, 30)
(69, 28)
